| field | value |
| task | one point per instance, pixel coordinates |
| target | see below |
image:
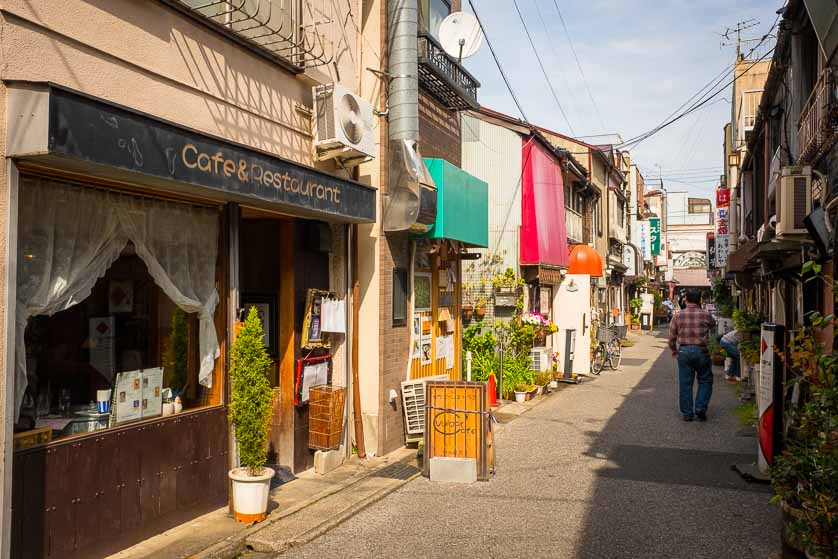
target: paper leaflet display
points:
(137, 395)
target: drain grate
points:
(397, 471)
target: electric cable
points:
(578, 64)
(497, 62)
(541, 65)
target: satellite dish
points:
(460, 35)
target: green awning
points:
(462, 205)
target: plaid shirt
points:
(691, 326)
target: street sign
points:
(655, 235)
(711, 251)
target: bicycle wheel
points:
(615, 353)
(598, 361)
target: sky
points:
(641, 60)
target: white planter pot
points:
(554, 384)
(520, 396)
(250, 494)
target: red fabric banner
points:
(543, 228)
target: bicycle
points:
(609, 348)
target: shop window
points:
(119, 295)
(399, 297)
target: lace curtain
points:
(68, 236)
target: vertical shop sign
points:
(770, 395)
(655, 235)
(643, 239)
(722, 227)
(711, 251)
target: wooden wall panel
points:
(105, 491)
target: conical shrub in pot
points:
(250, 412)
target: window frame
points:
(400, 276)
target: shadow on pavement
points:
(666, 488)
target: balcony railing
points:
(816, 131)
(278, 29)
(575, 231)
(444, 78)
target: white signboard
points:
(722, 236)
(765, 395)
(629, 260)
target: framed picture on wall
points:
(313, 335)
(422, 291)
(266, 305)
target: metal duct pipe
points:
(403, 67)
(411, 196)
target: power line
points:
(497, 62)
(567, 89)
(704, 99)
(541, 65)
(578, 64)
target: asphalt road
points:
(606, 469)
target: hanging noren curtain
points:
(68, 237)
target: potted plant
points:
(635, 322)
(716, 355)
(250, 412)
(520, 392)
(480, 308)
(467, 311)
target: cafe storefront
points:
(138, 243)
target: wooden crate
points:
(457, 424)
(325, 417)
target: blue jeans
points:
(694, 361)
(732, 352)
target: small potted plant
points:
(521, 392)
(250, 412)
(467, 312)
(635, 322)
(480, 308)
(554, 367)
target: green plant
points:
(747, 322)
(747, 414)
(543, 377)
(722, 298)
(482, 344)
(635, 305)
(251, 394)
(175, 356)
(507, 279)
(481, 302)
(749, 351)
(805, 475)
(516, 371)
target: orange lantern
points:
(585, 260)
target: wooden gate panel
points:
(109, 474)
(84, 458)
(29, 484)
(130, 455)
(187, 483)
(149, 468)
(168, 442)
(58, 480)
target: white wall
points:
(493, 154)
(572, 310)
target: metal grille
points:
(295, 31)
(413, 403)
(818, 122)
(800, 209)
(444, 78)
(399, 470)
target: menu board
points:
(137, 395)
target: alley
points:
(602, 470)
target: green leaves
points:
(251, 394)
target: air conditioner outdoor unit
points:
(539, 359)
(343, 125)
(794, 201)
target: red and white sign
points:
(722, 197)
(765, 399)
(722, 227)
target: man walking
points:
(689, 333)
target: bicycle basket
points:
(603, 334)
(621, 331)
